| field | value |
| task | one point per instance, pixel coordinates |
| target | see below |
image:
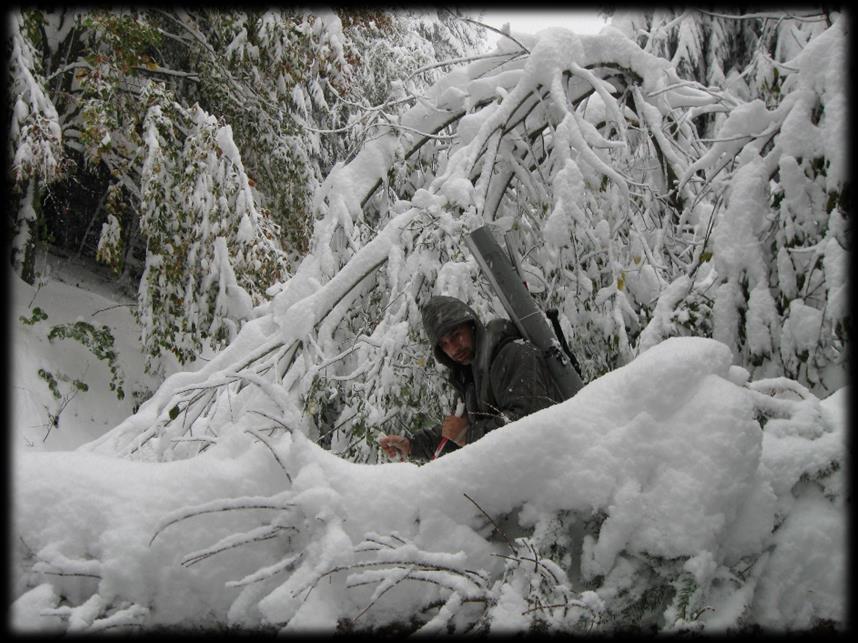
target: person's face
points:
(458, 344)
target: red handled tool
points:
(460, 409)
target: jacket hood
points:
(442, 314)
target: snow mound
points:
(71, 292)
(657, 470)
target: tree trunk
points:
(24, 244)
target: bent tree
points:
(586, 153)
(583, 151)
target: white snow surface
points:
(71, 292)
(667, 447)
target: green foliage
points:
(283, 80)
(37, 315)
(208, 242)
(99, 341)
(125, 37)
(110, 245)
(51, 382)
(683, 602)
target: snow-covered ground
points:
(266, 530)
(71, 291)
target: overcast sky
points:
(532, 21)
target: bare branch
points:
(490, 28)
(812, 17)
(287, 564)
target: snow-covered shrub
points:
(779, 249)
(110, 243)
(203, 228)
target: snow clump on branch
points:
(624, 506)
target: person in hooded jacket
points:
(498, 375)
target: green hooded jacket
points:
(506, 380)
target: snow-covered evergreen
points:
(34, 154)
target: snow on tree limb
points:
(344, 252)
(307, 337)
(627, 507)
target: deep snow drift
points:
(667, 451)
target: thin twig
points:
(265, 441)
(467, 574)
(221, 546)
(573, 603)
(491, 520)
(490, 28)
(383, 592)
(101, 310)
(267, 572)
(81, 574)
(765, 16)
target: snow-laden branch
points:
(266, 532)
(768, 15)
(371, 547)
(216, 506)
(503, 32)
(541, 93)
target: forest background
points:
(245, 115)
(276, 192)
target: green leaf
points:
(37, 315)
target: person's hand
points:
(455, 429)
(393, 445)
